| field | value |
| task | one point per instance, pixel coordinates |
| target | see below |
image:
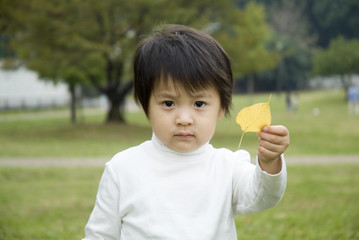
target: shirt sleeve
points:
(255, 190)
(104, 221)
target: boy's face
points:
(184, 122)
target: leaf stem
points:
(240, 141)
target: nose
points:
(184, 117)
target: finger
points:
(265, 154)
(277, 130)
(279, 148)
(272, 138)
(275, 148)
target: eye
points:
(199, 104)
(168, 104)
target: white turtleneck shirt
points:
(152, 192)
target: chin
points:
(185, 149)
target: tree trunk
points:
(116, 111)
(250, 87)
(279, 80)
(250, 84)
(73, 102)
(117, 99)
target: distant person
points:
(288, 102)
(177, 185)
(353, 97)
(295, 102)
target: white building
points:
(22, 89)
(333, 82)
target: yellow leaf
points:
(254, 118)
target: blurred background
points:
(70, 53)
(66, 104)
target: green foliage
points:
(304, 25)
(331, 19)
(341, 58)
(293, 68)
(92, 42)
(292, 40)
(245, 40)
(323, 20)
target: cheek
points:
(159, 123)
(208, 124)
(159, 130)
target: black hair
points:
(185, 55)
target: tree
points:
(76, 42)
(92, 42)
(324, 20)
(341, 58)
(331, 19)
(292, 39)
(249, 34)
(5, 49)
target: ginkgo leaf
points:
(254, 118)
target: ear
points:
(221, 113)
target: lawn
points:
(321, 202)
(330, 132)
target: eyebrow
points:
(166, 95)
(200, 94)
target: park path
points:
(100, 161)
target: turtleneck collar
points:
(162, 147)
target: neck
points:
(161, 146)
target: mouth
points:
(184, 136)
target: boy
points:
(177, 186)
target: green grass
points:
(332, 132)
(46, 203)
(321, 202)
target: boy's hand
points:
(273, 141)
